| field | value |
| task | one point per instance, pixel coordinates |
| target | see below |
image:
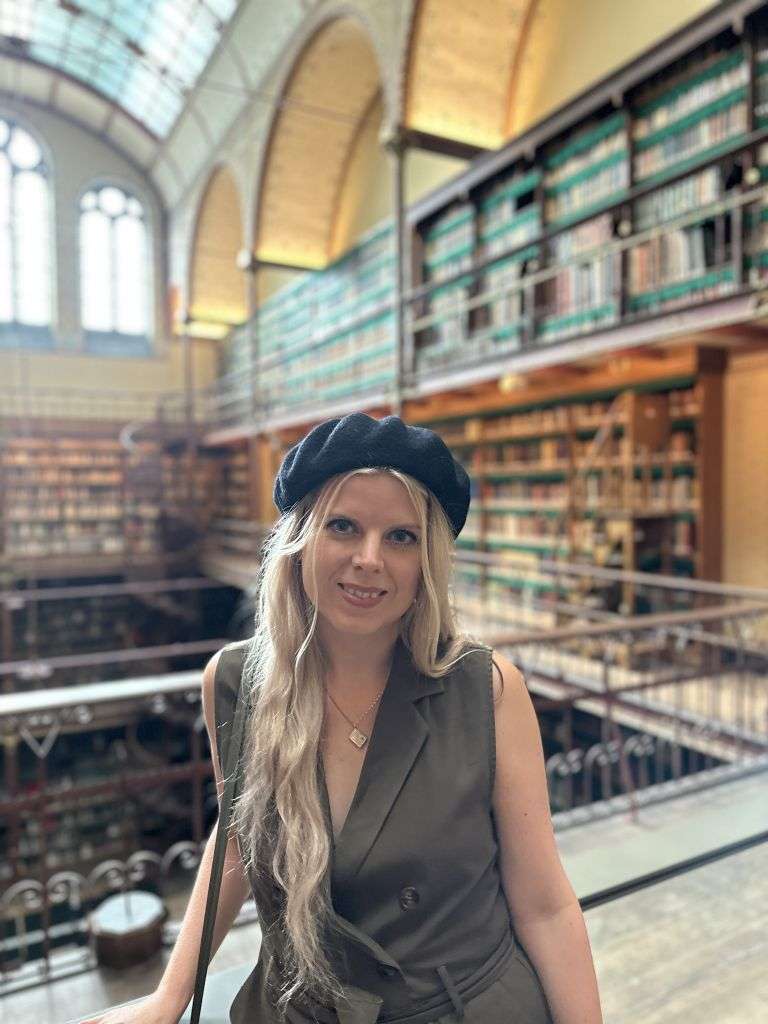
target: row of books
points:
(448, 245)
(673, 256)
(62, 477)
(499, 278)
(30, 539)
(64, 458)
(512, 234)
(678, 199)
(723, 77)
(523, 526)
(614, 490)
(587, 178)
(547, 494)
(691, 141)
(47, 511)
(577, 155)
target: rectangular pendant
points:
(358, 738)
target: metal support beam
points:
(396, 146)
(247, 262)
(439, 144)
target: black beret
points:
(358, 441)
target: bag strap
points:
(219, 851)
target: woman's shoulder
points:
(224, 668)
(474, 658)
(465, 651)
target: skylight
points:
(144, 55)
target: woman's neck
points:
(358, 663)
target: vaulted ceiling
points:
(161, 80)
(334, 83)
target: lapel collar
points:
(398, 735)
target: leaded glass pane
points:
(131, 280)
(23, 150)
(96, 271)
(112, 201)
(32, 242)
(6, 269)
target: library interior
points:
(537, 227)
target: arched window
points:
(25, 242)
(114, 285)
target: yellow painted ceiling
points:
(461, 67)
(217, 288)
(329, 93)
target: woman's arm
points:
(168, 1002)
(545, 913)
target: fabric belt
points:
(456, 994)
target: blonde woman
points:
(393, 821)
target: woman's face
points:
(367, 557)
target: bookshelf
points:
(235, 482)
(544, 490)
(87, 500)
(587, 170)
(584, 296)
(62, 496)
(325, 337)
(640, 152)
(697, 108)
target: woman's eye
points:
(404, 537)
(345, 528)
(335, 523)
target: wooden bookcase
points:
(326, 336)
(62, 496)
(647, 497)
(89, 501)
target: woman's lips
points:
(361, 597)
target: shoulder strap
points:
(219, 850)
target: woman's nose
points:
(368, 554)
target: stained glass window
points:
(25, 244)
(114, 263)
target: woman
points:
(393, 819)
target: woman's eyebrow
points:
(338, 513)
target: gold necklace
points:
(357, 737)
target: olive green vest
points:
(420, 915)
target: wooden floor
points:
(692, 950)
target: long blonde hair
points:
(283, 834)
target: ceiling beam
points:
(415, 139)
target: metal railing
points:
(134, 815)
(674, 692)
(36, 404)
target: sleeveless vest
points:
(420, 922)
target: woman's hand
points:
(153, 1009)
